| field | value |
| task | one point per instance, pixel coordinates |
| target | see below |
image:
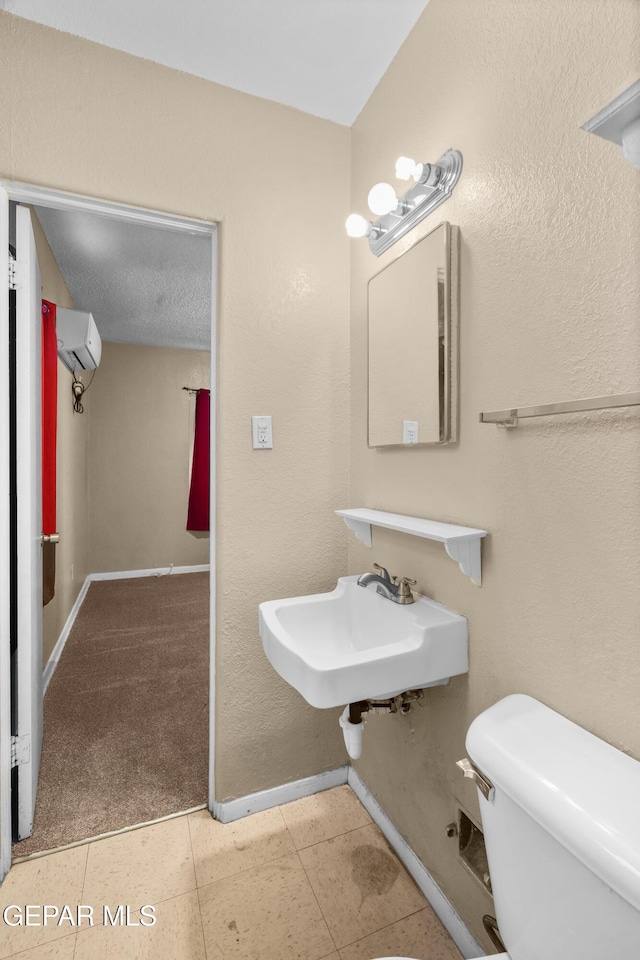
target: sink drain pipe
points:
(353, 727)
(352, 722)
(352, 733)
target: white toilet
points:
(562, 830)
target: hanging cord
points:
(78, 390)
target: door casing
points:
(28, 530)
(27, 194)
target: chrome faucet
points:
(397, 590)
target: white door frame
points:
(5, 562)
(25, 193)
(28, 448)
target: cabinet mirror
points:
(412, 315)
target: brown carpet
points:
(126, 711)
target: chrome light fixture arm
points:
(433, 185)
(419, 201)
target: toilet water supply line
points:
(352, 722)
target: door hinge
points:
(20, 750)
(12, 274)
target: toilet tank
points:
(562, 832)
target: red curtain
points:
(49, 415)
(198, 514)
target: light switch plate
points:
(261, 433)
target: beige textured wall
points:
(550, 238)
(140, 435)
(81, 117)
(71, 462)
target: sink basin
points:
(353, 644)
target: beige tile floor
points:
(312, 880)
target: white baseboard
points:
(151, 572)
(451, 921)
(56, 653)
(231, 810)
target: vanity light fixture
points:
(619, 122)
(433, 184)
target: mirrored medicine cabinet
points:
(413, 334)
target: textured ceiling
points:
(142, 284)
(322, 56)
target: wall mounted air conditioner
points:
(79, 343)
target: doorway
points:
(52, 204)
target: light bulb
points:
(405, 168)
(382, 199)
(357, 226)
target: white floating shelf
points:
(461, 543)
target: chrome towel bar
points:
(509, 418)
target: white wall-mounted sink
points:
(353, 644)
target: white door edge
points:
(5, 552)
(28, 424)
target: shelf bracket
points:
(361, 528)
(466, 553)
